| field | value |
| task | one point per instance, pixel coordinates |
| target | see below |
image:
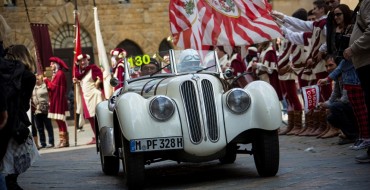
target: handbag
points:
(43, 107)
(20, 133)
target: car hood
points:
(148, 87)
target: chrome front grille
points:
(210, 109)
(195, 115)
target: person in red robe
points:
(89, 91)
(118, 67)
(57, 88)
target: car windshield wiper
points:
(205, 68)
(159, 70)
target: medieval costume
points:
(89, 91)
(118, 67)
(266, 67)
(57, 89)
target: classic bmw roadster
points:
(187, 110)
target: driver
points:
(189, 60)
(150, 68)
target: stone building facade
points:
(139, 25)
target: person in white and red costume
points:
(118, 68)
(89, 91)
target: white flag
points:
(103, 59)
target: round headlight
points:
(238, 101)
(161, 108)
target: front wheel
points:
(230, 155)
(109, 164)
(134, 166)
(266, 154)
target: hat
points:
(59, 61)
(118, 52)
(152, 61)
(189, 55)
(82, 56)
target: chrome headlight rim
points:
(232, 107)
(113, 99)
(169, 102)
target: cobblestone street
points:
(325, 166)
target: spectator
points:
(341, 115)
(358, 51)
(40, 99)
(17, 154)
(351, 83)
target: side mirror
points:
(228, 73)
(114, 82)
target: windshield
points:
(191, 60)
(149, 64)
(182, 61)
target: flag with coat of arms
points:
(200, 23)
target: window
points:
(65, 36)
(9, 3)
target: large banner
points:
(198, 23)
(43, 48)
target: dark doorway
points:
(66, 54)
(131, 48)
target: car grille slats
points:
(210, 108)
(194, 110)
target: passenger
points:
(189, 61)
(150, 68)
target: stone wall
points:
(145, 22)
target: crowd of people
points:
(327, 46)
(324, 49)
(316, 52)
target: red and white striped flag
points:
(198, 23)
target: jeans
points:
(342, 117)
(2, 182)
(42, 123)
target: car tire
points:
(265, 148)
(134, 167)
(109, 164)
(230, 155)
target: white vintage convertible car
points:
(187, 111)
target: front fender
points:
(103, 115)
(136, 122)
(263, 113)
(107, 147)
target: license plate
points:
(166, 143)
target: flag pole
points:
(73, 75)
(28, 16)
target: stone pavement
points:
(305, 163)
